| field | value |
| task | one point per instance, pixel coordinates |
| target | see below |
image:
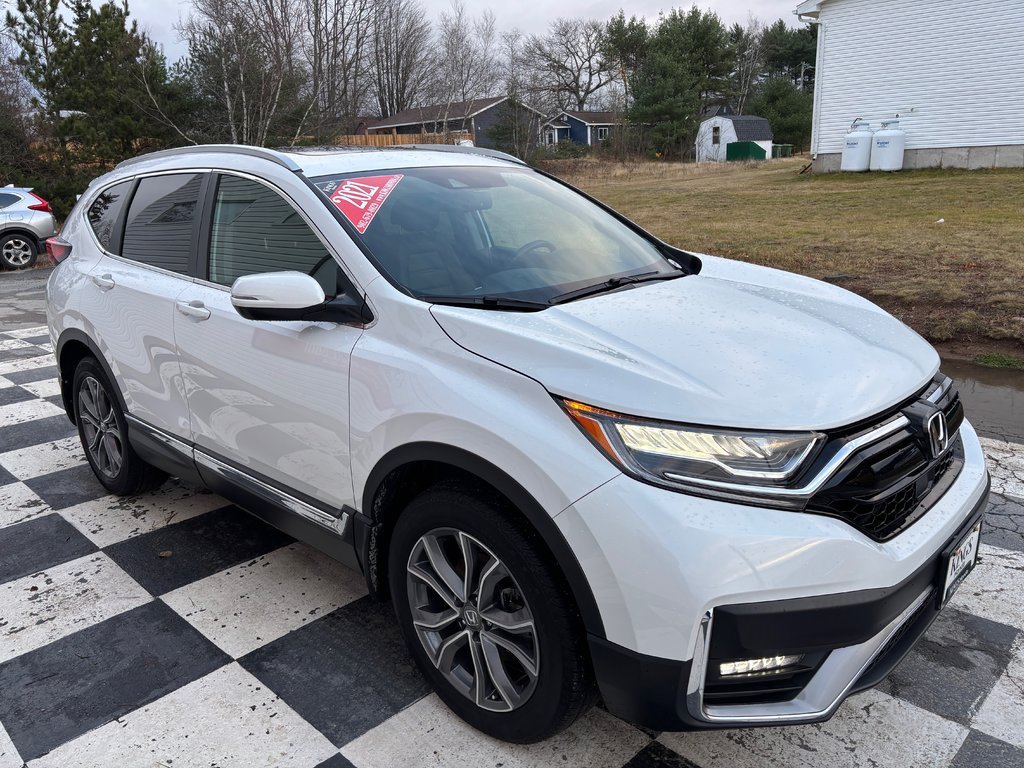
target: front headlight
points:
(717, 462)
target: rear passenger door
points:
(269, 399)
(148, 253)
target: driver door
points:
(268, 398)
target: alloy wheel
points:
(99, 426)
(473, 620)
(17, 252)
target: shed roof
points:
(748, 127)
(751, 128)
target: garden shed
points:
(717, 132)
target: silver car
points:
(26, 221)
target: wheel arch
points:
(408, 470)
(25, 232)
(72, 346)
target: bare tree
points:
(400, 46)
(518, 129)
(243, 57)
(749, 45)
(338, 49)
(571, 55)
(464, 64)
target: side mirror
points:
(276, 296)
(293, 296)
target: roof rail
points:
(231, 149)
(458, 148)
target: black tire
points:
(563, 688)
(18, 251)
(131, 475)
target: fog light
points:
(748, 666)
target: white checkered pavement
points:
(172, 629)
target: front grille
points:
(889, 485)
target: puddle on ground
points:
(992, 397)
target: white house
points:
(723, 128)
(952, 70)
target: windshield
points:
(490, 234)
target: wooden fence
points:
(394, 139)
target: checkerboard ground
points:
(173, 629)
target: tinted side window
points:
(160, 221)
(257, 230)
(6, 199)
(105, 209)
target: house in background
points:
(586, 128)
(952, 71)
(476, 117)
(723, 128)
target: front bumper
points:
(683, 583)
(863, 634)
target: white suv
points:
(579, 461)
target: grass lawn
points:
(959, 283)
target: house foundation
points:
(972, 158)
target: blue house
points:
(586, 128)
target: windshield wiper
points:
(488, 302)
(612, 283)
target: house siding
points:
(577, 130)
(483, 123)
(952, 70)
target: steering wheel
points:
(529, 248)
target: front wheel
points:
(103, 431)
(488, 617)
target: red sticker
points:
(360, 199)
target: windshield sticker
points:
(360, 199)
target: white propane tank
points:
(857, 149)
(888, 147)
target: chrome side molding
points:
(336, 524)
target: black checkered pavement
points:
(173, 629)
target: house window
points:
(602, 133)
(716, 135)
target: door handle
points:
(106, 282)
(194, 309)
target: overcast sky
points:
(159, 17)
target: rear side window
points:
(6, 199)
(161, 221)
(256, 230)
(105, 209)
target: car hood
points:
(735, 346)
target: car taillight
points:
(42, 205)
(57, 249)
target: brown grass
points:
(876, 234)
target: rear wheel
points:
(488, 617)
(103, 431)
(18, 252)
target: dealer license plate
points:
(960, 561)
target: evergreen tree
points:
(687, 66)
(624, 46)
(105, 62)
(39, 31)
(788, 109)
